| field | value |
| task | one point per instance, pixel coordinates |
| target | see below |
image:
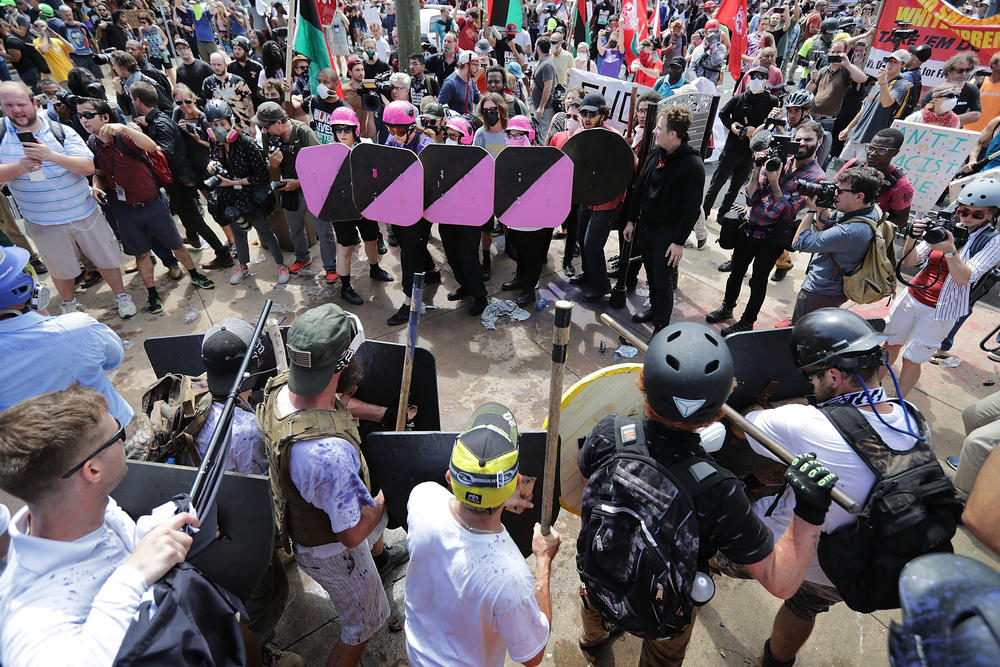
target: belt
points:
(142, 204)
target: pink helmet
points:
(399, 112)
(522, 123)
(345, 116)
(463, 127)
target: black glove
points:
(813, 486)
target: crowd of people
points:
(206, 124)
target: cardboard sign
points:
(617, 94)
(931, 156)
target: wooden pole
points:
(773, 446)
(293, 8)
(416, 300)
(560, 340)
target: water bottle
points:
(171, 461)
(703, 589)
(542, 302)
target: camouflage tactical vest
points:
(294, 517)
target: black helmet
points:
(922, 51)
(951, 613)
(829, 25)
(838, 337)
(217, 110)
(688, 372)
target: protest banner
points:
(616, 93)
(937, 25)
(931, 156)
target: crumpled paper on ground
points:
(500, 307)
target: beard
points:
(805, 153)
(31, 120)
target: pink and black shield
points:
(534, 185)
(325, 176)
(458, 184)
(388, 184)
(603, 164)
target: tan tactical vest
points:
(294, 517)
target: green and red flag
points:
(581, 24)
(311, 42)
(505, 12)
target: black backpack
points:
(911, 510)
(637, 553)
(986, 282)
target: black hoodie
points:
(669, 191)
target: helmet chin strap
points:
(906, 411)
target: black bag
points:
(263, 200)
(289, 199)
(637, 553)
(194, 624)
(912, 510)
(986, 282)
(732, 222)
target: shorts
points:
(57, 244)
(853, 149)
(347, 232)
(353, 583)
(812, 599)
(137, 227)
(912, 324)
(160, 63)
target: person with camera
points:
(126, 179)
(939, 294)
(838, 240)
(829, 84)
(421, 82)
(879, 108)
(690, 360)
(355, 94)
(770, 222)
(183, 192)
(238, 172)
(138, 50)
(665, 209)
(126, 72)
(741, 114)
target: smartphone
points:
(26, 138)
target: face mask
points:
(572, 124)
(450, 142)
(322, 90)
(220, 134)
(756, 85)
(944, 106)
(518, 141)
(371, 54)
(491, 116)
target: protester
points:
(989, 96)
(543, 82)
(224, 85)
(879, 108)
(939, 109)
(55, 50)
(496, 82)
(459, 91)
(321, 106)
(957, 71)
(352, 95)
(830, 83)
(421, 82)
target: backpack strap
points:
(981, 242)
(857, 218)
(856, 431)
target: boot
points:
(486, 265)
(723, 312)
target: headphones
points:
(231, 136)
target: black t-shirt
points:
(194, 75)
(320, 112)
(372, 70)
(439, 67)
(749, 109)
(29, 55)
(505, 54)
(248, 73)
(726, 522)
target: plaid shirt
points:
(766, 212)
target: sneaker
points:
(201, 282)
(239, 275)
(126, 307)
(569, 270)
(401, 316)
(723, 312)
(272, 656)
(299, 265)
(726, 266)
(350, 296)
(952, 462)
(377, 273)
(221, 261)
(154, 305)
(283, 272)
(737, 327)
(73, 306)
(779, 275)
(331, 277)
(397, 554)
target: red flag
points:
(733, 15)
(634, 29)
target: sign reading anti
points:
(617, 94)
(931, 156)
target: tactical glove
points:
(813, 485)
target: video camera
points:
(902, 33)
(373, 90)
(937, 229)
(778, 148)
(823, 192)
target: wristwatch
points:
(950, 254)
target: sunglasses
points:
(975, 215)
(87, 114)
(590, 114)
(343, 129)
(946, 96)
(185, 102)
(758, 77)
(119, 435)
(454, 136)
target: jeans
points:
(733, 167)
(296, 221)
(949, 340)
(461, 248)
(595, 226)
(264, 233)
(762, 253)
(327, 243)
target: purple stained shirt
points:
(326, 474)
(610, 64)
(416, 144)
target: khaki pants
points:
(9, 227)
(982, 428)
(655, 653)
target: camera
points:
(373, 90)
(215, 179)
(775, 122)
(778, 150)
(277, 185)
(102, 58)
(937, 229)
(823, 192)
(903, 31)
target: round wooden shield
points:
(603, 164)
(595, 396)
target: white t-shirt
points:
(802, 429)
(470, 598)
